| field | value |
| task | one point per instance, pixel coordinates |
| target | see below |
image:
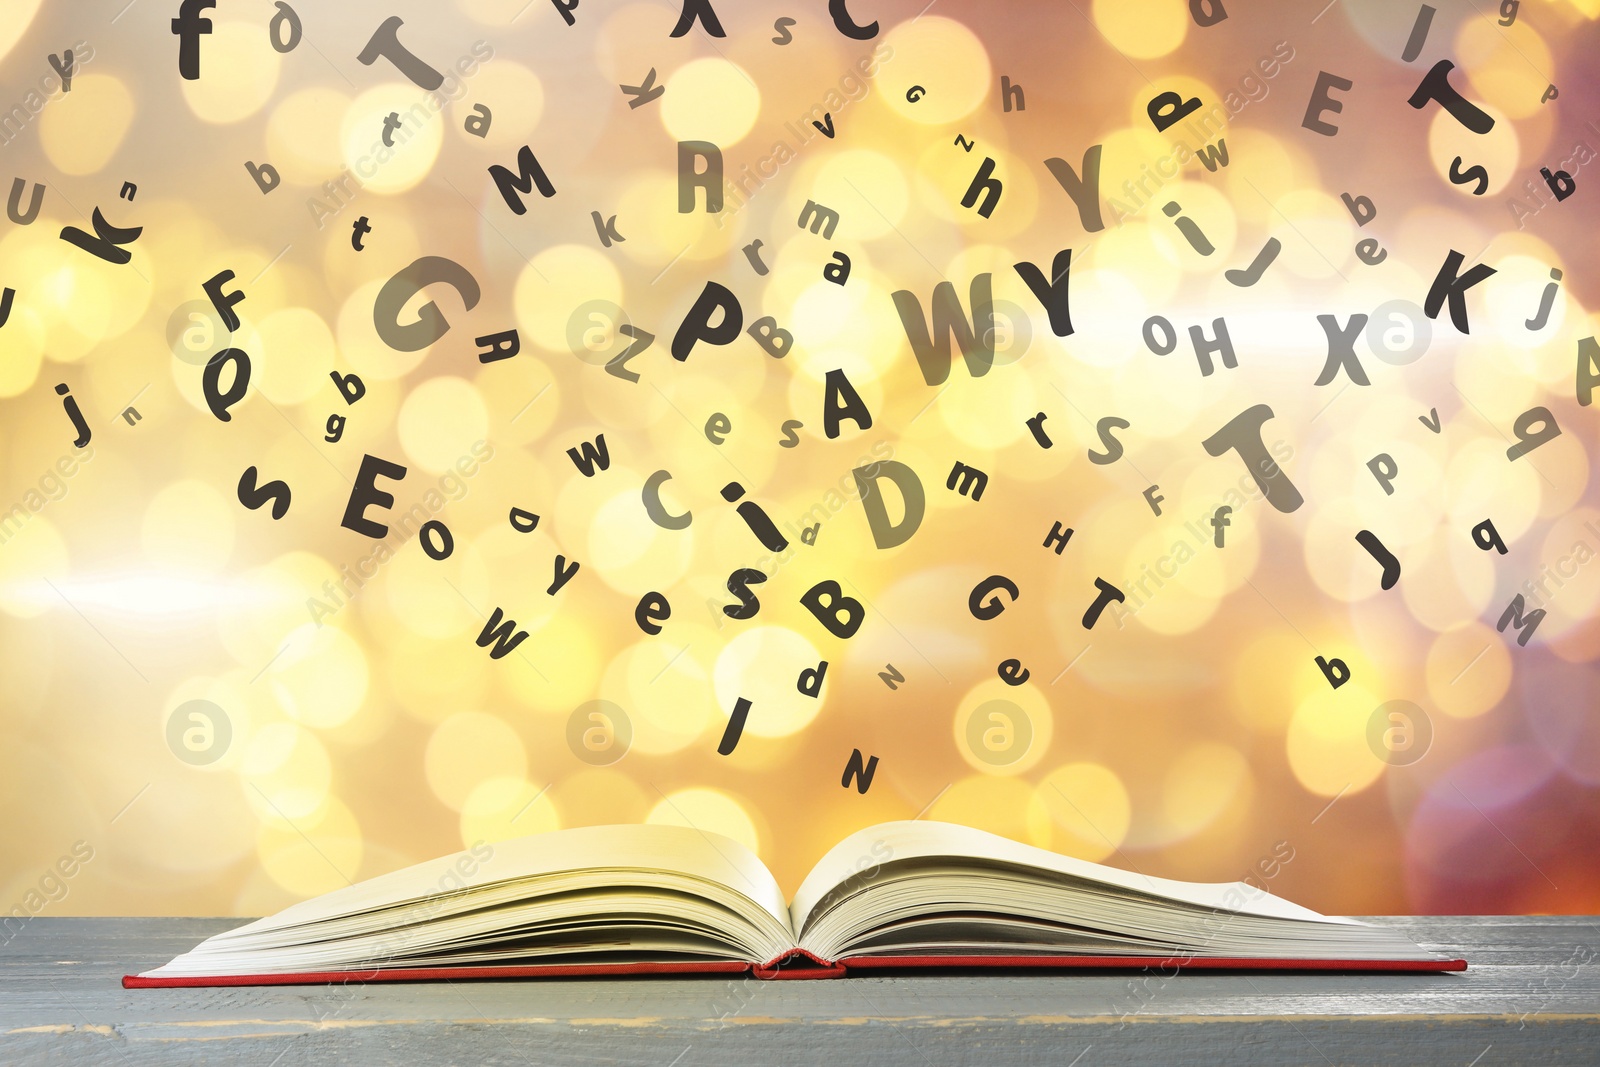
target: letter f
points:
(1219, 519)
(188, 27)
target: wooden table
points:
(1530, 996)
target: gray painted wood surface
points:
(1531, 996)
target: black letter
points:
(696, 325)
(431, 323)
(365, 493)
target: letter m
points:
(588, 455)
(505, 636)
(820, 217)
(862, 775)
(976, 339)
(968, 481)
(1524, 624)
(529, 174)
(1214, 156)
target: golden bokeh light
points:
(951, 63)
(1143, 29)
(84, 132)
(388, 161)
(707, 810)
(711, 100)
(1081, 809)
(468, 749)
(241, 73)
(364, 714)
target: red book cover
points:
(790, 967)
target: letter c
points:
(654, 508)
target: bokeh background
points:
(360, 728)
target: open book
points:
(675, 900)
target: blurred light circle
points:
(1142, 29)
(1081, 809)
(82, 130)
(470, 748)
(950, 64)
(709, 810)
(440, 421)
(710, 99)
(761, 665)
(504, 807)
(314, 854)
(238, 72)
(412, 147)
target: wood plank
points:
(1531, 996)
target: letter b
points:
(266, 176)
(350, 385)
(840, 614)
(1560, 183)
(1334, 670)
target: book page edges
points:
(436, 974)
(854, 964)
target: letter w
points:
(590, 454)
(1214, 156)
(505, 637)
(976, 339)
(529, 174)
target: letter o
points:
(1171, 343)
(447, 544)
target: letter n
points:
(861, 775)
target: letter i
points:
(1549, 298)
(1186, 226)
(758, 521)
(78, 423)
